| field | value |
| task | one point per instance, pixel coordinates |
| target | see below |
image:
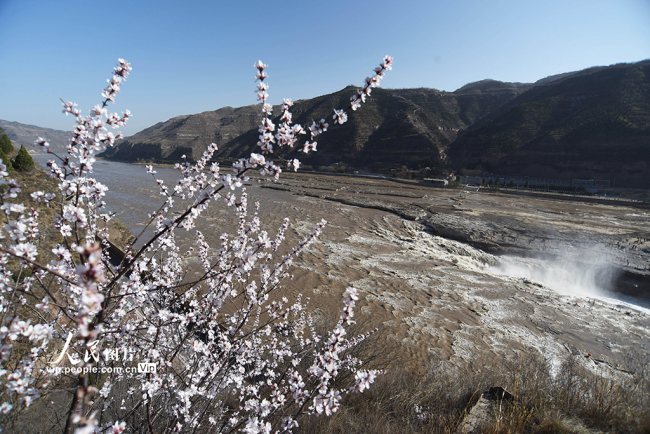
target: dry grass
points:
(575, 400)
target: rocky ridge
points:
(402, 126)
(591, 124)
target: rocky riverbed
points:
(449, 276)
(470, 276)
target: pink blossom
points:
(293, 164)
(298, 130)
(262, 96)
(319, 128)
(340, 117)
(387, 63)
(69, 108)
(267, 108)
(117, 427)
(309, 147)
(42, 142)
(257, 159)
(135, 305)
(12, 188)
(26, 249)
(286, 116)
(98, 110)
(66, 230)
(355, 102)
(364, 379)
(123, 68)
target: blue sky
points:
(193, 56)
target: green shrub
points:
(5, 143)
(23, 161)
(6, 161)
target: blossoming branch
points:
(225, 337)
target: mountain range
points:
(593, 123)
(22, 134)
(394, 127)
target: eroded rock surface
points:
(445, 297)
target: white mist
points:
(588, 277)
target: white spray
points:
(587, 277)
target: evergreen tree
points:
(6, 161)
(23, 161)
(5, 143)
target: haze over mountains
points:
(593, 123)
